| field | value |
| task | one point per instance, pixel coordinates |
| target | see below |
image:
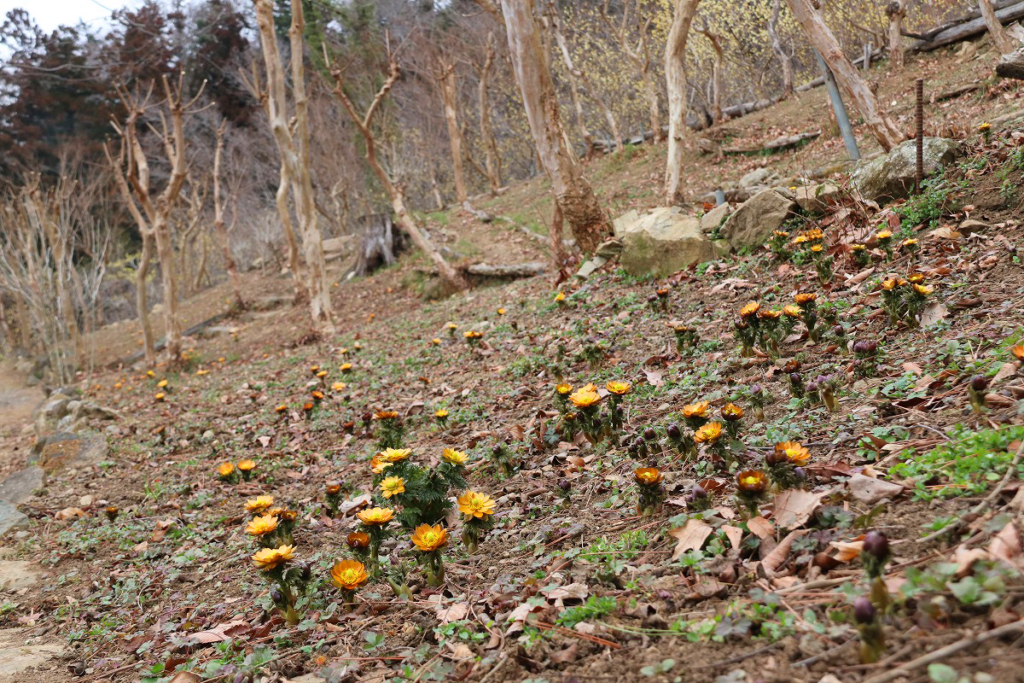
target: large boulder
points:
(11, 518)
(815, 198)
(65, 450)
(893, 175)
(715, 218)
(20, 486)
(1012, 65)
(664, 241)
(756, 218)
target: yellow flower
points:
(618, 388)
(225, 469)
(376, 516)
(345, 367)
(477, 505)
(750, 309)
(780, 233)
(315, 369)
(792, 311)
(246, 465)
(378, 464)
(435, 341)
(858, 247)
(454, 457)
(501, 311)
(816, 248)
(731, 412)
(150, 373)
(317, 395)
(911, 242)
(394, 454)
(709, 433)
(883, 235)
(769, 314)
(338, 386)
(348, 574)
(392, 486)
(261, 526)
(430, 538)
(440, 413)
(472, 334)
(889, 285)
(752, 482)
(385, 415)
(805, 297)
(923, 290)
(259, 504)
(159, 397)
(162, 384)
(271, 558)
(452, 326)
(200, 373)
(985, 127)
(794, 452)
(648, 476)
(563, 389)
(916, 278)
(585, 397)
(280, 409)
(699, 409)
(321, 374)
(560, 297)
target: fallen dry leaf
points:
(691, 536)
(777, 557)
(870, 491)
(794, 507)
(68, 513)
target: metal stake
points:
(920, 133)
(842, 118)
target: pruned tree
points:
(189, 233)
(448, 87)
(638, 53)
(152, 214)
(364, 124)
(492, 161)
(849, 79)
(1000, 38)
(293, 147)
(896, 13)
(675, 77)
(223, 231)
(573, 194)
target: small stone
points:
(20, 486)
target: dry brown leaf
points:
(691, 536)
(777, 557)
(794, 507)
(870, 491)
(1006, 545)
(734, 534)
(965, 558)
(221, 632)
(654, 377)
(761, 527)
(68, 513)
(455, 612)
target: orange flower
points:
(794, 452)
(476, 505)
(226, 469)
(358, 540)
(259, 504)
(271, 558)
(333, 489)
(385, 415)
(348, 574)
(792, 311)
(1018, 352)
(280, 409)
(378, 464)
(732, 412)
(923, 290)
(564, 389)
(585, 397)
(750, 309)
(752, 482)
(392, 486)
(709, 433)
(805, 297)
(648, 476)
(769, 315)
(261, 526)
(618, 388)
(430, 538)
(246, 465)
(699, 409)
(376, 516)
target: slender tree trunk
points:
(218, 222)
(574, 85)
(1000, 39)
(573, 193)
(716, 74)
(450, 100)
(849, 79)
(785, 59)
(653, 105)
(486, 130)
(675, 76)
(897, 14)
(142, 298)
(169, 280)
(288, 228)
(201, 268)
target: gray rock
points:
(620, 224)
(10, 518)
(756, 178)
(17, 656)
(722, 248)
(756, 218)
(65, 449)
(17, 574)
(814, 198)
(663, 242)
(892, 176)
(20, 486)
(1012, 65)
(714, 218)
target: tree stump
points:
(1012, 65)
(379, 243)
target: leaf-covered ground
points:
(571, 583)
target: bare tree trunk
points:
(142, 298)
(393, 190)
(896, 13)
(572, 192)
(1000, 39)
(201, 268)
(486, 130)
(849, 79)
(218, 221)
(716, 73)
(639, 56)
(653, 105)
(449, 98)
(785, 59)
(675, 76)
(294, 152)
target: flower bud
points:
(877, 545)
(698, 492)
(979, 383)
(650, 434)
(673, 431)
(791, 366)
(864, 611)
(756, 391)
(800, 474)
(564, 484)
(277, 596)
(839, 331)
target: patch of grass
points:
(967, 465)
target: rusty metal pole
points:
(920, 132)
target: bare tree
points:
(224, 232)
(896, 13)
(785, 58)
(445, 77)
(394, 190)
(639, 54)
(999, 36)
(293, 147)
(716, 71)
(152, 215)
(849, 79)
(573, 194)
(491, 159)
(675, 76)
(189, 233)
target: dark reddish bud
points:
(756, 390)
(863, 611)
(796, 378)
(650, 434)
(277, 596)
(673, 431)
(839, 331)
(698, 492)
(800, 474)
(876, 544)
(979, 383)
(564, 484)
(791, 366)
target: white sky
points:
(50, 14)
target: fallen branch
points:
(967, 29)
(943, 652)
